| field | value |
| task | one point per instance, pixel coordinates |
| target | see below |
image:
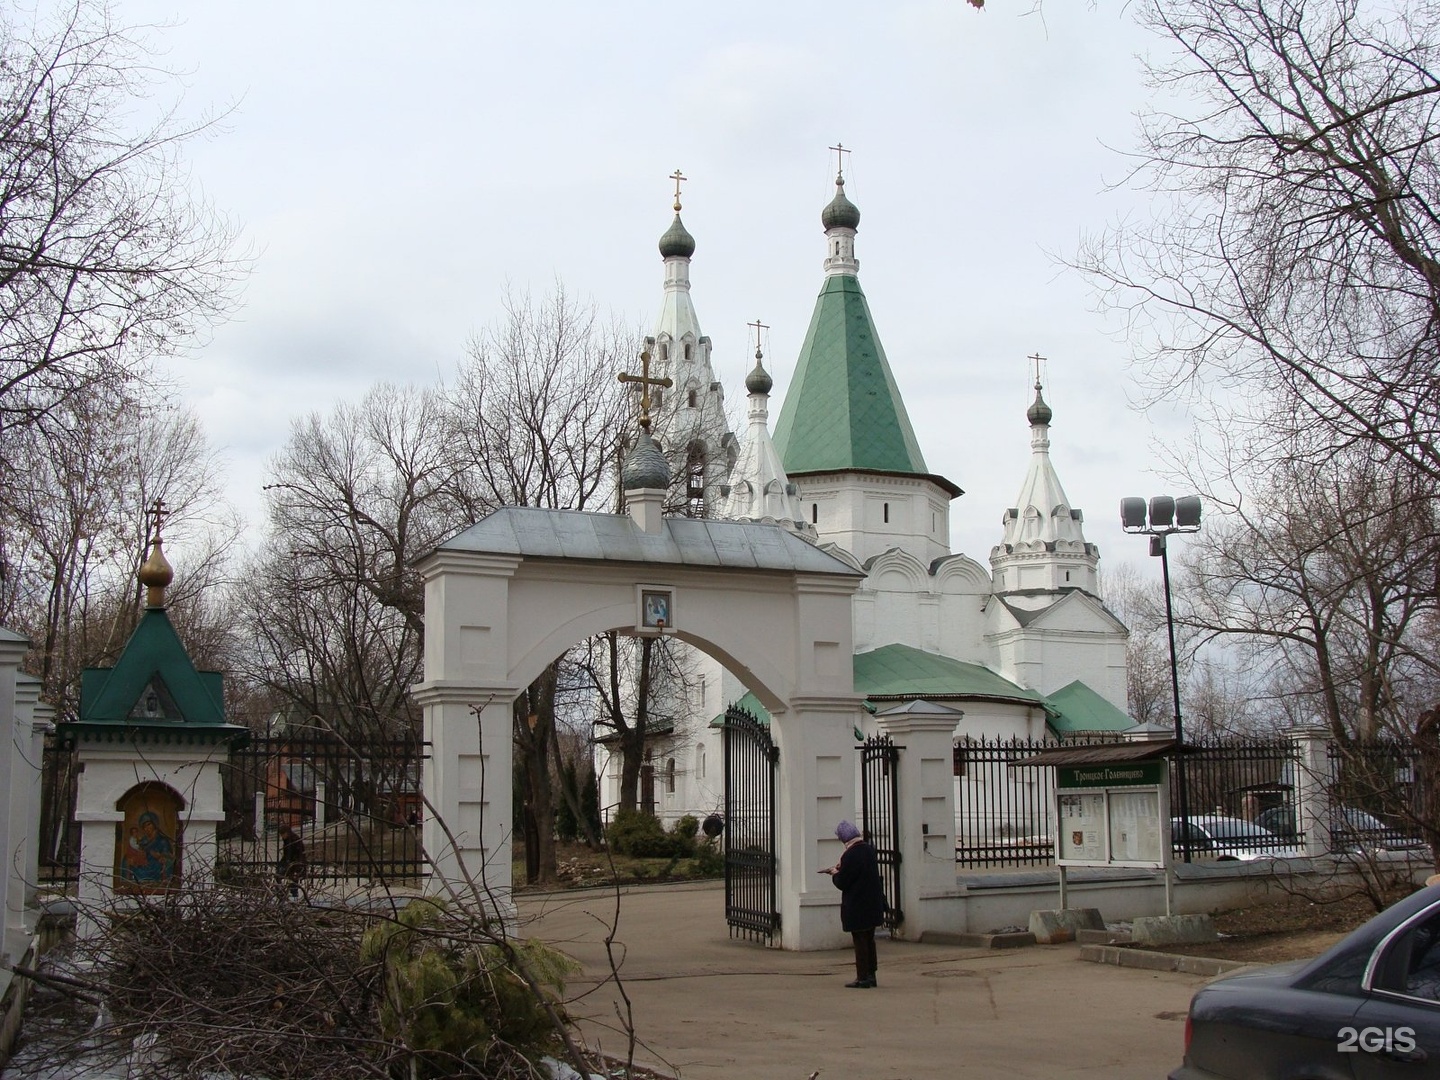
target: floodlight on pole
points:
(1162, 517)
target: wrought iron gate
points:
(880, 815)
(750, 870)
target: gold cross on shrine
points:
(757, 326)
(645, 381)
(1038, 361)
(840, 153)
(678, 177)
(159, 513)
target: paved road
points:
(711, 1008)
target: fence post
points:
(924, 731)
(1313, 780)
(12, 651)
(24, 820)
(41, 724)
(319, 816)
(260, 816)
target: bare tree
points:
(108, 256)
(536, 409)
(541, 421)
(74, 501)
(335, 610)
(1326, 582)
(1292, 249)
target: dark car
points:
(1368, 1009)
(1350, 829)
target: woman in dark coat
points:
(862, 900)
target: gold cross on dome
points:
(679, 178)
(757, 326)
(1038, 361)
(840, 153)
(159, 512)
(645, 381)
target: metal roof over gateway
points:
(576, 534)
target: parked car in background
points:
(1368, 1008)
(1212, 835)
(1351, 829)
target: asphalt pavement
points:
(707, 1007)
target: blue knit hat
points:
(846, 832)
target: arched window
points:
(700, 761)
(691, 399)
(670, 777)
(695, 481)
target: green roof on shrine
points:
(843, 410)
(155, 660)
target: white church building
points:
(1024, 647)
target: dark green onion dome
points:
(759, 381)
(1039, 413)
(677, 241)
(645, 466)
(841, 213)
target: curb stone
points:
(1153, 961)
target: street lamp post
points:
(1166, 516)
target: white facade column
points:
(1313, 781)
(467, 778)
(12, 650)
(24, 820)
(42, 723)
(925, 733)
(467, 782)
(816, 789)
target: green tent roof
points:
(154, 656)
(900, 671)
(1081, 709)
(843, 410)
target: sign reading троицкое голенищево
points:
(1112, 814)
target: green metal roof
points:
(843, 410)
(153, 694)
(901, 671)
(1081, 709)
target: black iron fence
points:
(58, 850)
(880, 816)
(354, 807)
(751, 758)
(1240, 793)
(1002, 815)
(1382, 796)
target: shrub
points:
(639, 835)
(709, 859)
(688, 827)
(452, 1002)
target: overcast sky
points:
(396, 167)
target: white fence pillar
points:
(24, 820)
(925, 732)
(12, 651)
(1313, 779)
(42, 723)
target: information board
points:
(1113, 814)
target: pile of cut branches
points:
(226, 981)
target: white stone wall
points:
(868, 514)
